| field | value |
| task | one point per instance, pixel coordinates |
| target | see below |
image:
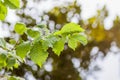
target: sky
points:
(111, 63)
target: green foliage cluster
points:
(4, 4)
(40, 39)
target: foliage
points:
(40, 39)
(37, 50)
(20, 28)
(69, 29)
(3, 11)
(38, 45)
(13, 4)
(62, 67)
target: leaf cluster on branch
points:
(40, 39)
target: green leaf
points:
(74, 39)
(2, 43)
(3, 11)
(13, 4)
(33, 33)
(37, 39)
(59, 46)
(69, 29)
(11, 62)
(72, 43)
(23, 49)
(81, 38)
(45, 44)
(49, 41)
(20, 28)
(3, 57)
(37, 54)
